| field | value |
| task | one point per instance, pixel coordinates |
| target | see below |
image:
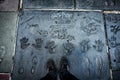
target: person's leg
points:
(64, 73)
(52, 71)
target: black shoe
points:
(64, 63)
(51, 65)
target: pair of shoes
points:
(63, 64)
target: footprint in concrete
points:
(99, 67)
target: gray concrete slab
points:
(48, 4)
(113, 31)
(8, 26)
(9, 5)
(79, 36)
(98, 4)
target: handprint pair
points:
(24, 43)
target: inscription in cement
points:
(53, 34)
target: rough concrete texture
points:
(113, 32)
(79, 36)
(98, 4)
(8, 29)
(48, 4)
